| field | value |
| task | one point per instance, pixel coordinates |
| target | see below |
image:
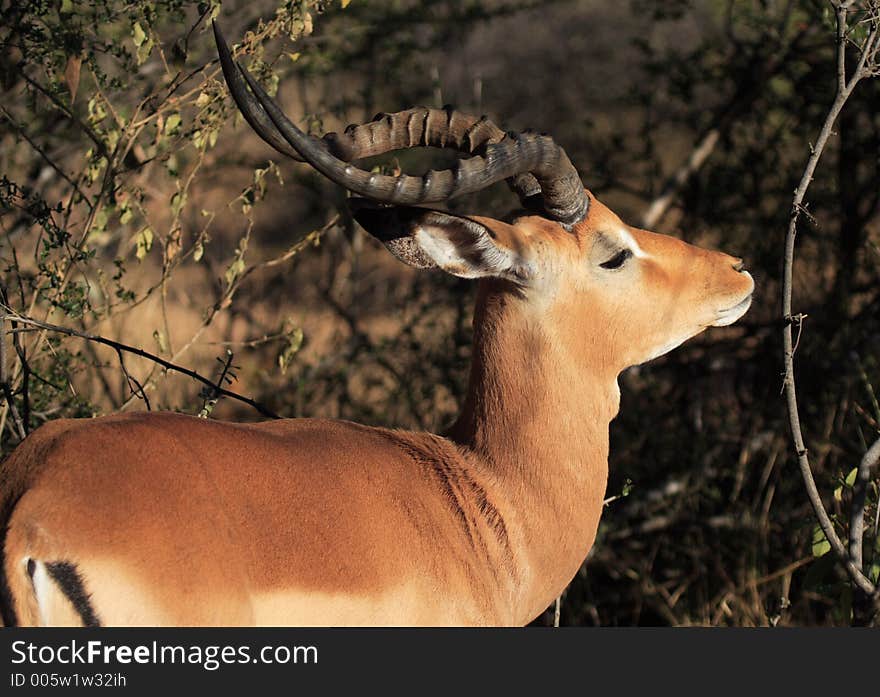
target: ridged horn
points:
(533, 164)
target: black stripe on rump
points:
(70, 582)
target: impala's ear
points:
(424, 238)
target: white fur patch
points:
(42, 591)
(630, 241)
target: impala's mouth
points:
(732, 314)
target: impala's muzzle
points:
(732, 312)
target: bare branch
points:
(844, 90)
(133, 384)
(857, 512)
(168, 365)
(841, 47)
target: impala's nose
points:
(738, 265)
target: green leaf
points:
(172, 165)
(292, 347)
(99, 223)
(851, 477)
(247, 201)
(821, 545)
(204, 138)
(172, 124)
(161, 341)
(144, 50)
(96, 110)
(271, 85)
(178, 201)
(235, 268)
(143, 243)
(138, 34)
(142, 41)
(212, 15)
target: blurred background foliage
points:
(135, 204)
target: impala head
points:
(620, 295)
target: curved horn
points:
(515, 157)
(419, 126)
(427, 127)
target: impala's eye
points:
(617, 260)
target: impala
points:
(162, 518)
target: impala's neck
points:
(537, 415)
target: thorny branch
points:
(211, 395)
(121, 348)
(866, 66)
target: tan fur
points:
(176, 520)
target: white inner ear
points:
(471, 255)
